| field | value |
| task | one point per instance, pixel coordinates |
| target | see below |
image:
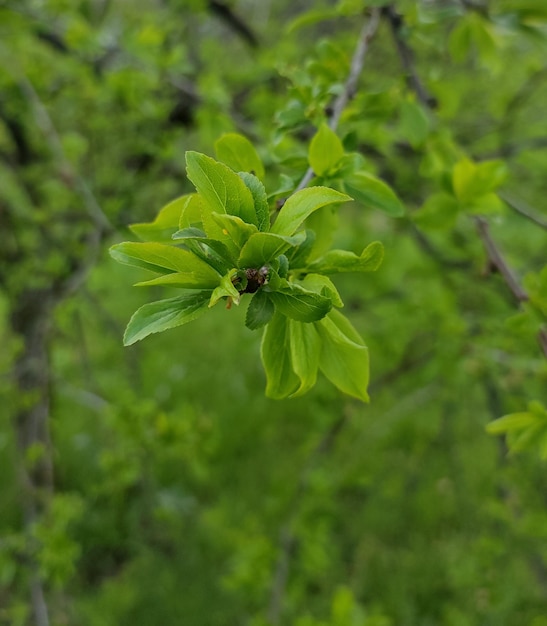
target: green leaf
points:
(439, 211)
(156, 317)
(235, 228)
(459, 42)
(305, 349)
(325, 151)
(226, 289)
(344, 356)
(324, 286)
(337, 261)
(239, 153)
(220, 187)
(513, 422)
(191, 211)
(164, 259)
(262, 248)
(180, 280)
(260, 198)
(214, 252)
(275, 351)
(324, 223)
(471, 180)
(312, 17)
(374, 193)
(165, 224)
(488, 204)
(413, 123)
(259, 311)
(286, 186)
(300, 304)
(300, 255)
(301, 205)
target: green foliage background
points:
(180, 493)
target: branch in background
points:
(495, 257)
(406, 55)
(425, 244)
(350, 86)
(497, 261)
(520, 207)
(357, 62)
(225, 13)
(46, 125)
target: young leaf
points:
(325, 151)
(214, 252)
(239, 153)
(226, 288)
(260, 198)
(302, 204)
(156, 317)
(344, 356)
(440, 210)
(300, 304)
(165, 224)
(374, 193)
(262, 248)
(236, 229)
(220, 187)
(275, 351)
(259, 311)
(337, 261)
(300, 255)
(477, 179)
(324, 286)
(164, 259)
(191, 211)
(414, 123)
(286, 187)
(305, 349)
(181, 280)
(323, 223)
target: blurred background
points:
(156, 484)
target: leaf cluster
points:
(223, 243)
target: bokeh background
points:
(156, 484)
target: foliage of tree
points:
(156, 483)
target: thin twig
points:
(495, 256)
(520, 207)
(47, 126)
(497, 261)
(357, 62)
(350, 86)
(102, 225)
(406, 55)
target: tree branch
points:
(350, 86)
(497, 261)
(406, 55)
(524, 210)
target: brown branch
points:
(495, 257)
(235, 22)
(357, 62)
(350, 86)
(406, 55)
(521, 208)
(497, 261)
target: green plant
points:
(225, 242)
